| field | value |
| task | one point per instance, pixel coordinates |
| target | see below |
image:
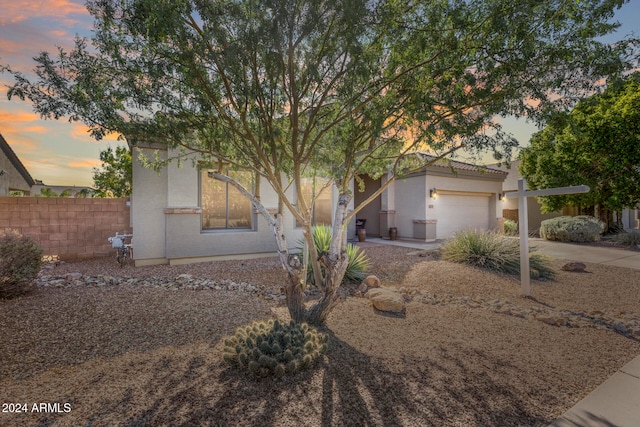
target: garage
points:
(460, 211)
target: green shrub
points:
(20, 262)
(358, 265)
(274, 349)
(494, 252)
(510, 227)
(631, 238)
(577, 229)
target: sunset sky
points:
(61, 153)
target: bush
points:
(577, 229)
(20, 262)
(358, 265)
(274, 349)
(631, 238)
(494, 252)
(510, 228)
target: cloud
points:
(18, 11)
(17, 116)
(80, 131)
(85, 163)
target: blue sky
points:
(62, 153)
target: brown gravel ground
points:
(126, 356)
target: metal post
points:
(523, 220)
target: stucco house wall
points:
(510, 206)
(167, 217)
(167, 211)
(465, 197)
(13, 175)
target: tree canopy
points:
(597, 144)
(289, 88)
(114, 177)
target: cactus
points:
(272, 348)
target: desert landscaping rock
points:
(372, 282)
(385, 299)
(363, 288)
(139, 346)
(183, 281)
(576, 267)
(621, 322)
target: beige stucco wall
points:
(167, 218)
(409, 198)
(148, 200)
(11, 179)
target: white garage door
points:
(459, 212)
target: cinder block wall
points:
(66, 227)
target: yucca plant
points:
(494, 252)
(358, 265)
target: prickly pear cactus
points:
(272, 348)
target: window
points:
(223, 206)
(312, 187)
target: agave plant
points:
(494, 252)
(358, 265)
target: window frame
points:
(226, 229)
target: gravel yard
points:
(142, 346)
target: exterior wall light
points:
(433, 193)
(502, 197)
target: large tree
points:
(114, 177)
(597, 144)
(335, 88)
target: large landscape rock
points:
(385, 299)
(577, 267)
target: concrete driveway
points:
(617, 257)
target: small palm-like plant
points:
(358, 265)
(494, 252)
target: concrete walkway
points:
(616, 402)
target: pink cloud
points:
(84, 163)
(17, 116)
(13, 12)
(80, 132)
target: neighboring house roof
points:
(15, 161)
(460, 166)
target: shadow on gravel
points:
(348, 388)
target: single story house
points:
(14, 177)
(182, 215)
(436, 202)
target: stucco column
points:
(387, 208)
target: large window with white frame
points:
(224, 207)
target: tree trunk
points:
(319, 312)
(295, 298)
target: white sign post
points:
(523, 220)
